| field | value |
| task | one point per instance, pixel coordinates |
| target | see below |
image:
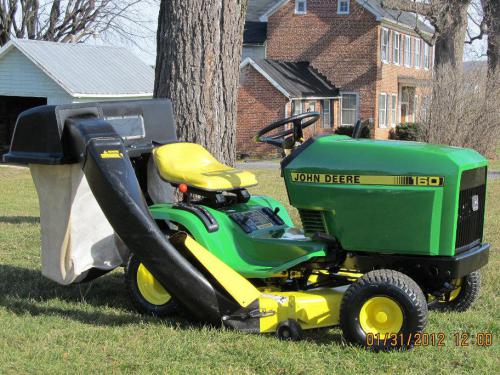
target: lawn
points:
(47, 328)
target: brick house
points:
(373, 55)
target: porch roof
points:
(296, 80)
(413, 81)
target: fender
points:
(255, 255)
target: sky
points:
(145, 46)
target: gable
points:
(19, 76)
(403, 19)
(86, 70)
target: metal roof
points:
(88, 71)
(257, 8)
(294, 79)
(407, 19)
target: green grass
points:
(47, 328)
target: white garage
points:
(34, 73)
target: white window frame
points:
(415, 106)
(417, 57)
(396, 37)
(408, 62)
(394, 110)
(382, 32)
(356, 114)
(382, 124)
(296, 110)
(433, 55)
(297, 2)
(339, 5)
(426, 56)
(326, 103)
(309, 106)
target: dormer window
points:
(343, 7)
(300, 6)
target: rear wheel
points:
(383, 309)
(462, 297)
(147, 295)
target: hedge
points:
(406, 132)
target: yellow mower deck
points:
(311, 309)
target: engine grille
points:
(471, 207)
(312, 221)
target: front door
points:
(407, 104)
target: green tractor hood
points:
(399, 197)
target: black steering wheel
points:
(300, 122)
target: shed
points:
(34, 73)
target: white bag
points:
(76, 236)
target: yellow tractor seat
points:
(193, 165)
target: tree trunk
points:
(449, 48)
(492, 16)
(197, 66)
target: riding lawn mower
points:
(388, 228)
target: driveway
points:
(259, 164)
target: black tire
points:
(140, 303)
(397, 289)
(289, 330)
(469, 291)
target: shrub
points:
(407, 132)
(347, 130)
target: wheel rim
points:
(151, 290)
(381, 316)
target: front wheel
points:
(383, 309)
(462, 297)
(147, 295)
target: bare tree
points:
(488, 12)
(197, 66)
(449, 19)
(463, 110)
(68, 20)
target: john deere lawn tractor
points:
(386, 227)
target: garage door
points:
(10, 108)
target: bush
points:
(406, 132)
(347, 130)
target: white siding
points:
(20, 77)
(254, 52)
